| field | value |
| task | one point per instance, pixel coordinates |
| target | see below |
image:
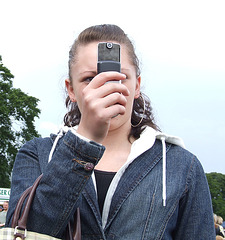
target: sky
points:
(180, 44)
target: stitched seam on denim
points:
(148, 218)
(68, 210)
(94, 210)
(162, 230)
(77, 151)
(189, 176)
(82, 163)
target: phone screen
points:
(109, 52)
(108, 57)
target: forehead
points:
(86, 52)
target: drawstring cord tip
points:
(163, 139)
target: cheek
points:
(131, 85)
(78, 89)
(130, 101)
(77, 96)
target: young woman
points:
(129, 180)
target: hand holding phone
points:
(102, 102)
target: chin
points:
(118, 122)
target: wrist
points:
(85, 135)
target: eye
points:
(127, 77)
(88, 79)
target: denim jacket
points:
(133, 210)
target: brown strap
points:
(77, 226)
(69, 232)
(22, 222)
(76, 233)
(19, 206)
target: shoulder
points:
(183, 158)
(185, 165)
(180, 152)
(33, 152)
(37, 144)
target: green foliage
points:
(17, 113)
(217, 189)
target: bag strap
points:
(19, 206)
(77, 226)
(22, 222)
(76, 233)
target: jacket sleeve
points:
(63, 180)
(195, 216)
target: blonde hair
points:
(219, 220)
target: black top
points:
(103, 180)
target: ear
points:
(70, 91)
(138, 88)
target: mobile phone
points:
(108, 57)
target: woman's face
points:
(85, 68)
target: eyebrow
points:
(124, 69)
(95, 73)
(88, 72)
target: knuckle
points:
(100, 116)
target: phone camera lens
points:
(109, 45)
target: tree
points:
(217, 189)
(17, 114)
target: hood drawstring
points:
(170, 139)
(63, 130)
(163, 139)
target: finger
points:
(114, 98)
(110, 88)
(103, 91)
(115, 110)
(103, 109)
(104, 77)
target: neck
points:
(117, 146)
(117, 138)
(117, 150)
